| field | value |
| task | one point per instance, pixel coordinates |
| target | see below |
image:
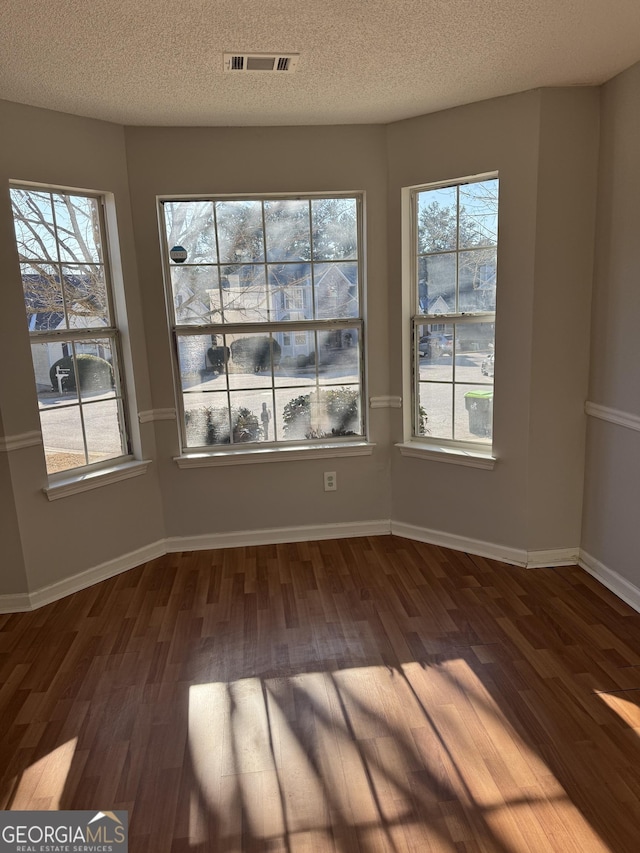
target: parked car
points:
(434, 346)
(486, 368)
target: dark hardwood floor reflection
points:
(371, 694)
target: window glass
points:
(454, 296)
(277, 356)
(61, 243)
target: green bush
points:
(340, 407)
(255, 353)
(211, 426)
(95, 373)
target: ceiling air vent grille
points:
(275, 62)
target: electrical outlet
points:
(330, 481)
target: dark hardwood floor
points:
(370, 694)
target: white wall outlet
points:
(330, 481)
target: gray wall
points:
(544, 146)
(612, 468)
(263, 160)
(64, 537)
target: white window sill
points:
(273, 454)
(75, 483)
(452, 455)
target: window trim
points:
(461, 452)
(114, 332)
(259, 451)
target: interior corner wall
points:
(563, 278)
(257, 496)
(501, 136)
(61, 538)
(13, 578)
(612, 468)
(543, 144)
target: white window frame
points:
(325, 446)
(123, 466)
(472, 453)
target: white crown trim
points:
(613, 416)
(16, 442)
(385, 402)
(157, 415)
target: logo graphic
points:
(64, 832)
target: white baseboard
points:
(276, 535)
(22, 602)
(513, 556)
(18, 603)
(48, 594)
(340, 530)
(553, 558)
(614, 582)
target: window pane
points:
(339, 359)
(244, 294)
(436, 409)
(479, 214)
(437, 220)
(336, 290)
(437, 284)
(102, 430)
(473, 413)
(290, 292)
(253, 356)
(62, 439)
(292, 414)
(336, 411)
(246, 413)
(85, 293)
(206, 419)
(196, 295)
(474, 345)
(477, 280)
(193, 359)
(52, 375)
(309, 272)
(435, 352)
(240, 238)
(287, 230)
(77, 380)
(94, 363)
(42, 297)
(78, 228)
(190, 224)
(335, 229)
(33, 223)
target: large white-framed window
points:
(61, 238)
(265, 301)
(454, 244)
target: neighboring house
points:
(245, 298)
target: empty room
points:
(319, 465)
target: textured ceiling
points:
(361, 61)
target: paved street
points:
(63, 434)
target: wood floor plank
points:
(371, 694)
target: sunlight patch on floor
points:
(42, 784)
(420, 754)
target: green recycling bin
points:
(480, 407)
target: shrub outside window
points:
(62, 248)
(265, 300)
(454, 240)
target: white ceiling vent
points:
(277, 62)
